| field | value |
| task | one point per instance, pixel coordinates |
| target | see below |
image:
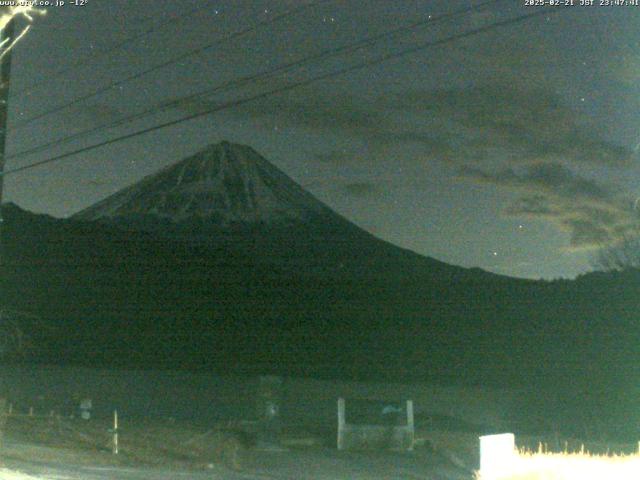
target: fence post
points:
(115, 432)
(3, 418)
(341, 423)
(410, 424)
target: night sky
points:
(514, 150)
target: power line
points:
(164, 64)
(292, 86)
(116, 46)
(327, 53)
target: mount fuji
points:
(225, 183)
(229, 197)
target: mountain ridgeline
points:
(224, 184)
(222, 263)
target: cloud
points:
(432, 144)
(337, 157)
(592, 214)
(548, 178)
(96, 182)
(346, 116)
(627, 67)
(528, 142)
(478, 124)
(360, 189)
(585, 233)
(460, 125)
(520, 125)
(191, 105)
(340, 114)
(96, 113)
(533, 206)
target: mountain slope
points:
(225, 183)
(228, 197)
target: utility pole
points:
(6, 38)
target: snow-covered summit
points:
(227, 183)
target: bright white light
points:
(497, 455)
(9, 13)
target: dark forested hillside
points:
(326, 303)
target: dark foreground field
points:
(55, 448)
(51, 447)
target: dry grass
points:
(577, 462)
(460, 448)
(6, 474)
(569, 466)
(158, 443)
